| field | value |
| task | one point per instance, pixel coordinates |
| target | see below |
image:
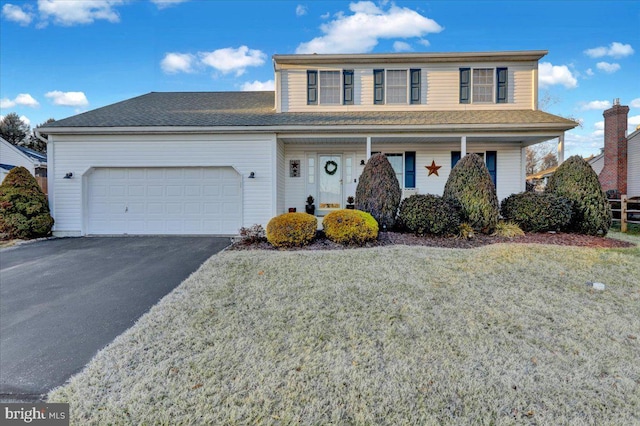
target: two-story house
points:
(211, 162)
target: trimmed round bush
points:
(578, 182)
(24, 209)
(378, 192)
(350, 227)
(470, 186)
(537, 212)
(428, 214)
(291, 229)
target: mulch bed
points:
(393, 238)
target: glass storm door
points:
(330, 182)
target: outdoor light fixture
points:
(252, 175)
(68, 175)
(362, 162)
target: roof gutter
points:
(39, 136)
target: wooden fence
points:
(42, 181)
(625, 211)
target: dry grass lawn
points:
(503, 334)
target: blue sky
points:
(62, 57)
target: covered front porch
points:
(328, 167)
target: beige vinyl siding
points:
(509, 167)
(78, 154)
(439, 87)
(633, 165)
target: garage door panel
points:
(164, 201)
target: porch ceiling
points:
(524, 140)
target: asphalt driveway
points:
(62, 300)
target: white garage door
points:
(172, 200)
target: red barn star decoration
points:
(433, 169)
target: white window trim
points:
(493, 91)
(341, 88)
(407, 86)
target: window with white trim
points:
(482, 85)
(397, 86)
(329, 87)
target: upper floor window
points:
(329, 87)
(396, 86)
(483, 85)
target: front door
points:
(330, 182)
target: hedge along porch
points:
(328, 168)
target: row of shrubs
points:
(349, 227)
(573, 201)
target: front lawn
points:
(502, 334)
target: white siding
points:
(78, 154)
(439, 85)
(509, 177)
(633, 165)
(282, 171)
(597, 165)
(12, 156)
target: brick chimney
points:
(614, 173)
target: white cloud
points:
(25, 120)
(177, 62)
(595, 105)
(361, 31)
(67, 13)
(607, 67)
(233, 60)
(257, 86)
(401, 46)
(16, 14)
(301, 10)
(589, 72)
(550, 75)
(163, 4)
(635, 103)
(615, 50)
(325, 15)
(599, 128)
(67, 98)
(634, 120)
(23, 99)
(424, 42)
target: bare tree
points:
(34, 142)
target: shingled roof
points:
(256, 109)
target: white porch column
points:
(463, 146)
(561, 148)
(368, 147)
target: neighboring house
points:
(14, 156)
(621, 153)
(596, 162)
(539, 180)
(209, 163)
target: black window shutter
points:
(455, 157)
(492, 165)
(312, 87)
(378, 87)
(347, 76)
(409, 169)
(415, 86)
(502, 86)
(465, 86)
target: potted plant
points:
(350, 201)
(310, 208)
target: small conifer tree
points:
(378, 192)
(24, 210)
(576, 180)
(470, 187)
